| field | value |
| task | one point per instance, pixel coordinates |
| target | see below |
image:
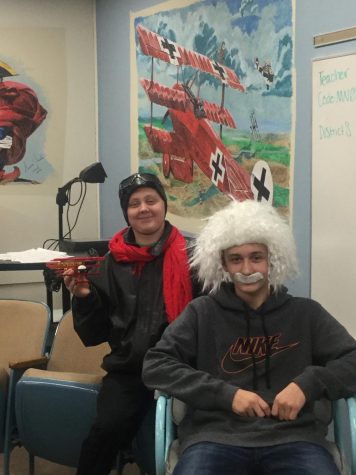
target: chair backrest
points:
(68, 353)
(179, 410)
(24, 326)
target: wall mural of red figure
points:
(20, 115)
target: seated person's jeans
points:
(297, 458)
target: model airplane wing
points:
(177, 98)
(78, 264)
(162, 48)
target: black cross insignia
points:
(218, 170)
(219, 69)
(259, 184)
(169, 47)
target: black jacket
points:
(124, 308)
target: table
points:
(53, 284)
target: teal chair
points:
(170, 412)
(24, 328)
(56, 406)
(344, 432)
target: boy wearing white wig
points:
(251, 361)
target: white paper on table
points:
(33, 255)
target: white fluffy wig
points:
(246, 222)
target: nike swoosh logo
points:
(234, 364)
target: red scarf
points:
(177, 287)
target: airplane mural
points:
(193, 140)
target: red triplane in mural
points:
(193, 139)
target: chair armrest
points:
(170, 426)
(44, 376)
(351, 403)
(160, 434)
(165, 431)
(37, 362)
(345, 431)
(18, 368)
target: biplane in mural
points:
(266, 70)
(193, 140)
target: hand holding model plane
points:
(74, 272)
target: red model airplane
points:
(193, 139)
(80, 265)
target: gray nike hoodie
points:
(219, 344)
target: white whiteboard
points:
(333, 256)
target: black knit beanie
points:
(138, 180)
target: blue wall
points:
(312, 17)
(113, 53)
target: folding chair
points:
(24, 327)
(55, 406)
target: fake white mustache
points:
(247, 279)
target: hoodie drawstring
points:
(247, 319)
(268, 348)
(268, 352)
